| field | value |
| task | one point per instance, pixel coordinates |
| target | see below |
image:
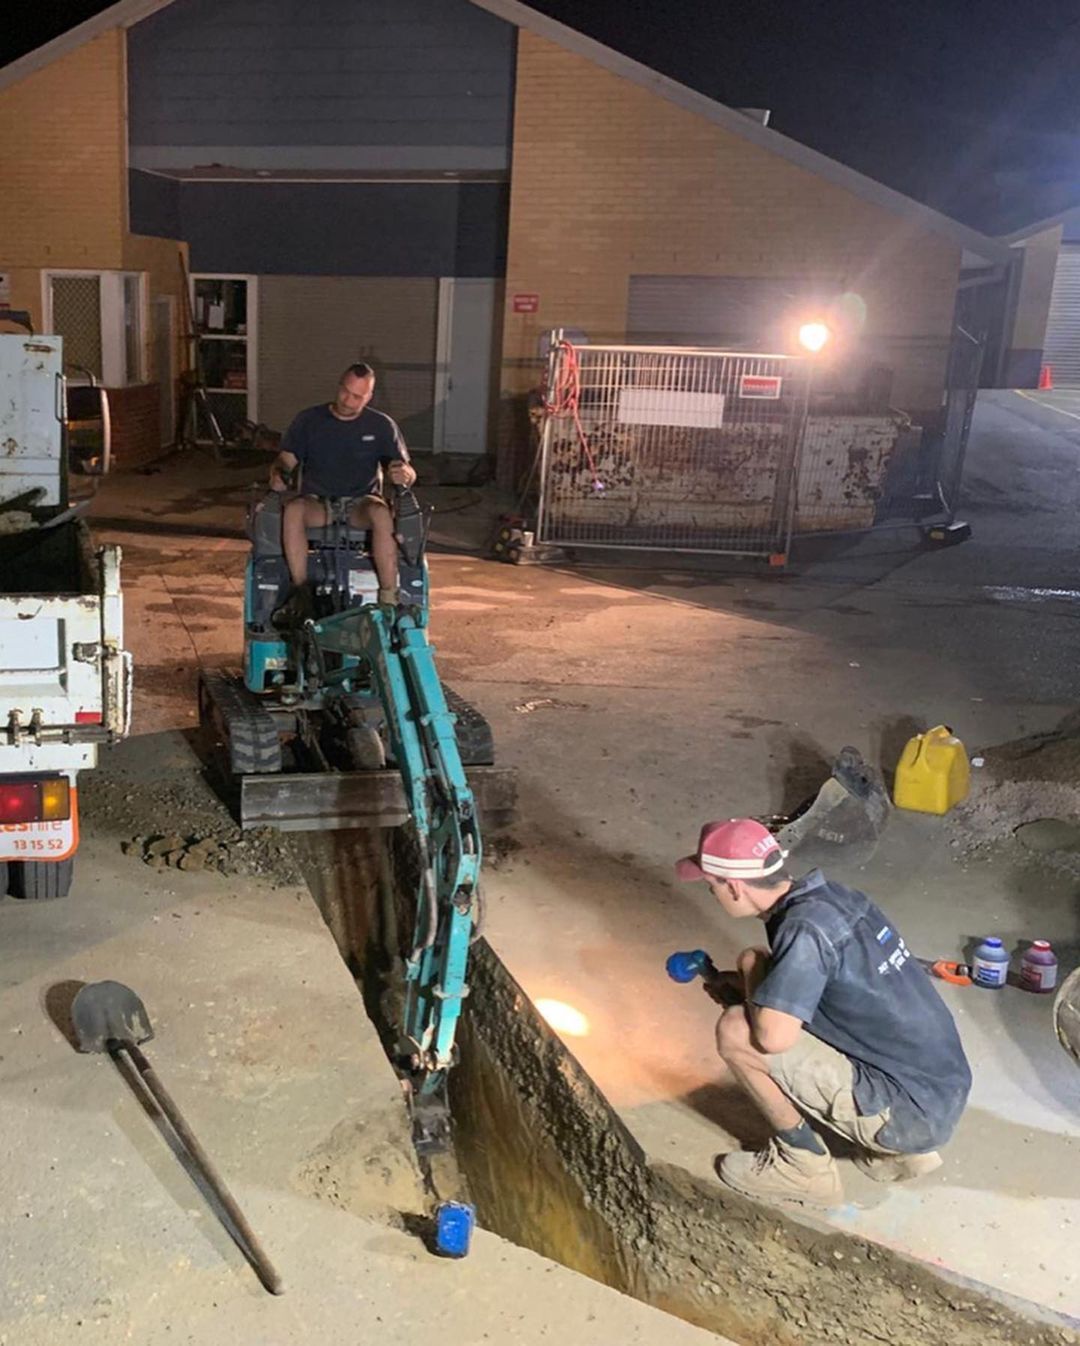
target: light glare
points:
(813, 336)
(563, 1018)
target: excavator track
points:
(248, 730)
(475, 741)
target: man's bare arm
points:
(281, 470)
(772, 1030)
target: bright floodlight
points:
(813, 336)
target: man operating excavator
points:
(340, 448)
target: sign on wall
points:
(526, 303)
(5, 289)
(666, 406)
(763, 387)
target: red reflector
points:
(20, 803)
(88, 717)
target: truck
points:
(65, 678)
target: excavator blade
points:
(329, 801)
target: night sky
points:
(970, 105)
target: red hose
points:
(562, 401)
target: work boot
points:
(298, 607)
(783, 1172)
(896, 1167)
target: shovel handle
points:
(264, 1268)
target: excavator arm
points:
(395, 649)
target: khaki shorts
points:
(821, 1082)
(338, 507)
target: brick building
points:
(430, 185)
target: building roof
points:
(127, 13)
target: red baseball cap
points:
(736, 848)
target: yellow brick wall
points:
(62, 145)
(63, 148)
(610, 180)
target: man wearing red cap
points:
(835, 1025)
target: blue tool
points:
(684, 967)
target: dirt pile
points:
(176, 821)
(1022, 782)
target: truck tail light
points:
(35, 801)
(88, 717)
(20, 803)
(55, 800)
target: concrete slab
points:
(262, 1040)
(638, 700)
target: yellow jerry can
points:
(933, 773)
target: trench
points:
(551, 1167)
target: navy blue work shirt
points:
(841, 967)
(343, 458)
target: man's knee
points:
(301, 513)
(733, 1033)
(373, 514)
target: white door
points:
(464, 354)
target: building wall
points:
(136, 424)
(64, 204)
(361, 84)
(62, 147)
(610, 180)
(312, 327)
(1024, 357)
(335, 228)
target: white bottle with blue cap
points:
(990, 964)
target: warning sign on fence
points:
(764, 387)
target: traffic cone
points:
(1046, 379)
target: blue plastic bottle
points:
(990, 965)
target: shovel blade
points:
(108, 1011)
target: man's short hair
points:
(360, 370)
(770, 882)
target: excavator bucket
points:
(844, 820)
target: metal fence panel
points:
(961, 391)
(670, 448)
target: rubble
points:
(177, 821)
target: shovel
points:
(109, 1017)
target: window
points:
(99, 314)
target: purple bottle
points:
(1038, 967)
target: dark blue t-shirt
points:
(841, 967)
(343, 458)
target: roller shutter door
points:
(312, 327)
(1062, 348)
